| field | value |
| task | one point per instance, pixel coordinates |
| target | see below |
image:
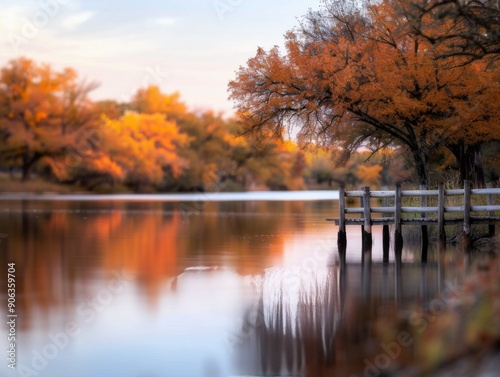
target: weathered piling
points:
(398, 236)
(342, 238)
(386, 244)
(440, 219)
(367, 229)
(466, 226)
(424, 233)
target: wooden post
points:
(423, 228)
(385, 243)
(385, 232)
(398, 280)
(441, 202)
(342, 238)
(367, 231)
(398, 237)
(491, 226)
(366, 278)
(466, 228)
(362, 205)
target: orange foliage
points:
(370, 175)
(144, 145)
(353, 78)
(151, 101)
(41, 111)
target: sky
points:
(194, 47)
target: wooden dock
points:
(391, 212)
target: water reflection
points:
(62, 248)
(293, 324)
(343, 319)
(225, 290)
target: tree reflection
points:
(294, 327)
(326, 321)
(63, 250)
(61, 254)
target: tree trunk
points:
(28, 162)
(473, 161)
(421, 163)
(26, 173)
(470, 163)
(27, 165)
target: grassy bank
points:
(35, 185)
(412, 234)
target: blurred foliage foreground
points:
(458, 330)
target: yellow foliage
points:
(369, 175)
(151, 101)
(104, 164)
(143, 145)
(41, 112)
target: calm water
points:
(204, 288)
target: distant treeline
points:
(50, 127)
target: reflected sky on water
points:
(152, 288)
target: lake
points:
(226, 285)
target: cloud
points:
(73, 21)
(96, 47)
(164, 21)
(11, 17)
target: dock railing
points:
(393, 212)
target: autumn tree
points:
(209, 151)
(462, 30)
(357, 76)
(277, 164)
(217, 157)
(41, 112)
(111, 109)
(151, 100)
(97, 171)
(145, 147)
(137, 151)
(362, 167)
